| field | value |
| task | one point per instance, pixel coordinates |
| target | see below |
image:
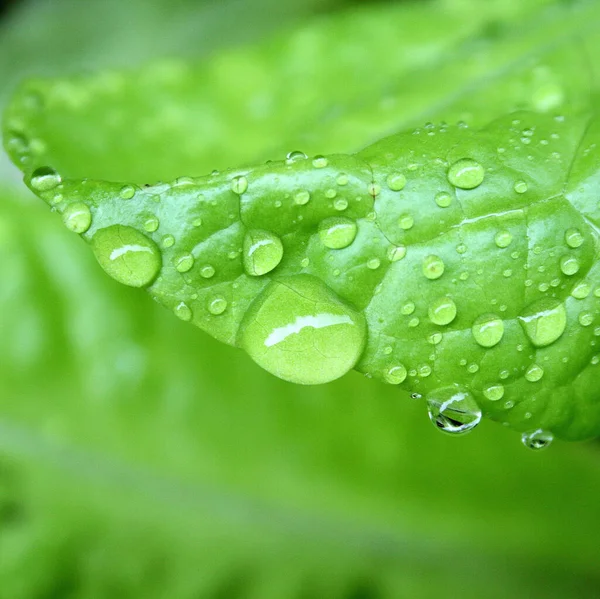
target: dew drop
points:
(574, 238)
(433, 267)
(295, 156)
(239, 185)
(408, 308)
(488, 330)
(534, 373)
(45, 178)
(520, 187)
(396, 181)
(442, 311)
(443, 199)
(77, 217)
(406, 222)
(301, 197)
(581, 290)
(151, 224)
(337, 232)
(569, 265)
(396, 253)
(395, 374)
(424, 370)
(207, 271)
(373, 263)
(466, 174)
(320, 162)
(585, 319)
(453, 410)
(494, 392)
(127, 192)
(184, 262)
(435, 338)
(544, 321)
(127, 255)
(301, 331)
(537, 439)
(342, 180)
(340, 204)
(262, 252)
(503, 239)
(217, 305)
(168, 241)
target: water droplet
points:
(569, 265)
(461, 248)
(503, 239)
(374, 189)
(168, 241)
(337, 232)
(396, 181)
(544, 321)
(151, 224)
(581, 290)
(207, 271)
(574, 238)
(396, 253)
(406, 222)
(488, 330)
(295, 156)
(263, 251)
(537, 439)
(424, 370)
(443, 199)
(184, 263)
(183, 311)
(301, 331)
(442, 311)
(453, 410)
(301, 197)
(239, 185)
(472, 368)
(520, 187)
(45, 178)
(77, 217)
(494, 392)
(127, 192)
(373, 263)
(534, 373)
(320, 162)
(395, 374)
(433, 267)
(342, 180)
(466, 174)
(217, 305)
(435, 338)
(127, 255)
(585, 319)
(197, 222)
(408, 308)
(340, 204)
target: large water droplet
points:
(45, 178)
(538, 439)
(77, 217)
(127, 255)
(442, 311)
(573, 238)
(337, 232)
(466, 174)
(488, 330)
(263, 251)
(433, 267)
(184, 262)
(396, 253)
(544, 321)
(301, 331)
(453, 410)
(494, 392)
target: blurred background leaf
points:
(140, 458)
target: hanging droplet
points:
(453, 410)
(544, 321)
(77, 217)
(395, 374)
(337, 232)
(45, 178)
(466, 174)
(239, 185)
(433, 267)
(301, 331)
(538, 439)
(396, 181)
(127, 255)
(442, 311)
(263, 251)
(217, 305)
(488, 330)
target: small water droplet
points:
(182, 310)
(503, 239)
(340, 204)
(127, 192)
(77, 217)
(424, 370)
(443, 199)
(569, 265)
(239, 185)
(453, 410)
(45, 178)
(263, 251)
(581, 290)
(373, 263)
(337, 232)
(408, 308)
(207, 271)
(396, 253)
(494, 392)
(435, 338)
(520, 187)
(320, 162)
(488, 330)
(406, 222)
(217, 305)
(395, 374)
(151, 224)
(301, 331)
(433, 267)
(537, 439)
(342, 180)
(534, 373)
(585, 319)
(184, 262)
(442, 311)
(466, 174)
(396, 181)
(127, 255)
(168, 241)
(301, 197)
(544, 321)
(295, 156)
(574, 238)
